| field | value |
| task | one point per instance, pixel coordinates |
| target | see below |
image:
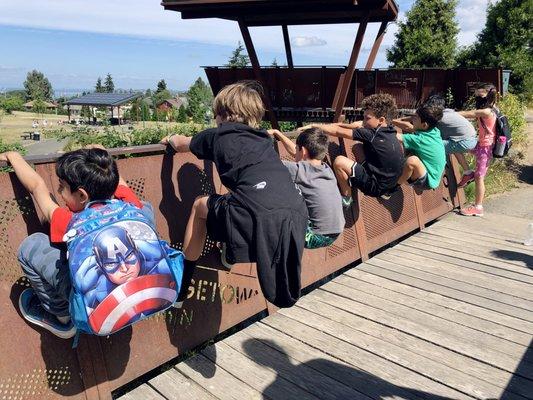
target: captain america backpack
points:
(121, 272)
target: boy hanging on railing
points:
(263, 218)
(85, 176)
(317, 183)
(425, 165)
(377, 175)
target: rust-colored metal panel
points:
(294, 90)
(216, 301)
(37, 365)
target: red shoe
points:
(472, 211)
(466, 179)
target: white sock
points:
(479, 206)
(63, 320)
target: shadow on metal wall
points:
(37, 365)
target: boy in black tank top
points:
(378, 174)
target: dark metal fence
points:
(37, 365)
(314, 87)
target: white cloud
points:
(147, 19)
(307, 41)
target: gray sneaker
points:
(33, 312)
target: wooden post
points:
(348, 75)
(288, 50)
(376, 45)
(257, 71)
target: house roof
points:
(289, 12)
(176, 103)
(47, 104)
(104, 99)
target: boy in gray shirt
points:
(317, 182)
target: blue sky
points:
(73, 42)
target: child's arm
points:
(472, 114)
(399, 136)
(289, 145)
(404, 124)
(180, 144)
(33, 183)
(332, 130)
(353, 125)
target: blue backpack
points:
(121, 272)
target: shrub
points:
(10, 147)
(515, 110)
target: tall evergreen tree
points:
(161, 85)
(239, 58)
(37, 86)
(506, 41)
(428, 36)
(99, 88)
(199, 100)
(109, 86)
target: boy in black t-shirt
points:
(378, 174)
(263, 218)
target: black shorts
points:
(217, 206)
(364, 181)
(421, 182)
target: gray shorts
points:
(461, 146)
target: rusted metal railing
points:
(37, 365)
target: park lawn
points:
(12, 126)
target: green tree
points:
(39, 107)
(428, 36)
(12, 103)
(505, 41)
(161, 85)
(239, 58)
(182, 115)
(161, 96)
(199, 100)
(109, 86)
(145, 111)
(37, 86)
(99, 88)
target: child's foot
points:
(388, 195)
(468, 177)
(472, 211)
(347, 201)
(223, 259)
(33, 312)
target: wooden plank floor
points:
(446, 314)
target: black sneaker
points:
(33, 312)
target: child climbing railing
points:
(37, 365)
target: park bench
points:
(38, 365)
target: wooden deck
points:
(446, 314)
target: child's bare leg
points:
(343, 169)
(413, 169)
(480, 189)
(461, 159)
(196, 231)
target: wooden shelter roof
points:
(286, 12)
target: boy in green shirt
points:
(425, 166)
